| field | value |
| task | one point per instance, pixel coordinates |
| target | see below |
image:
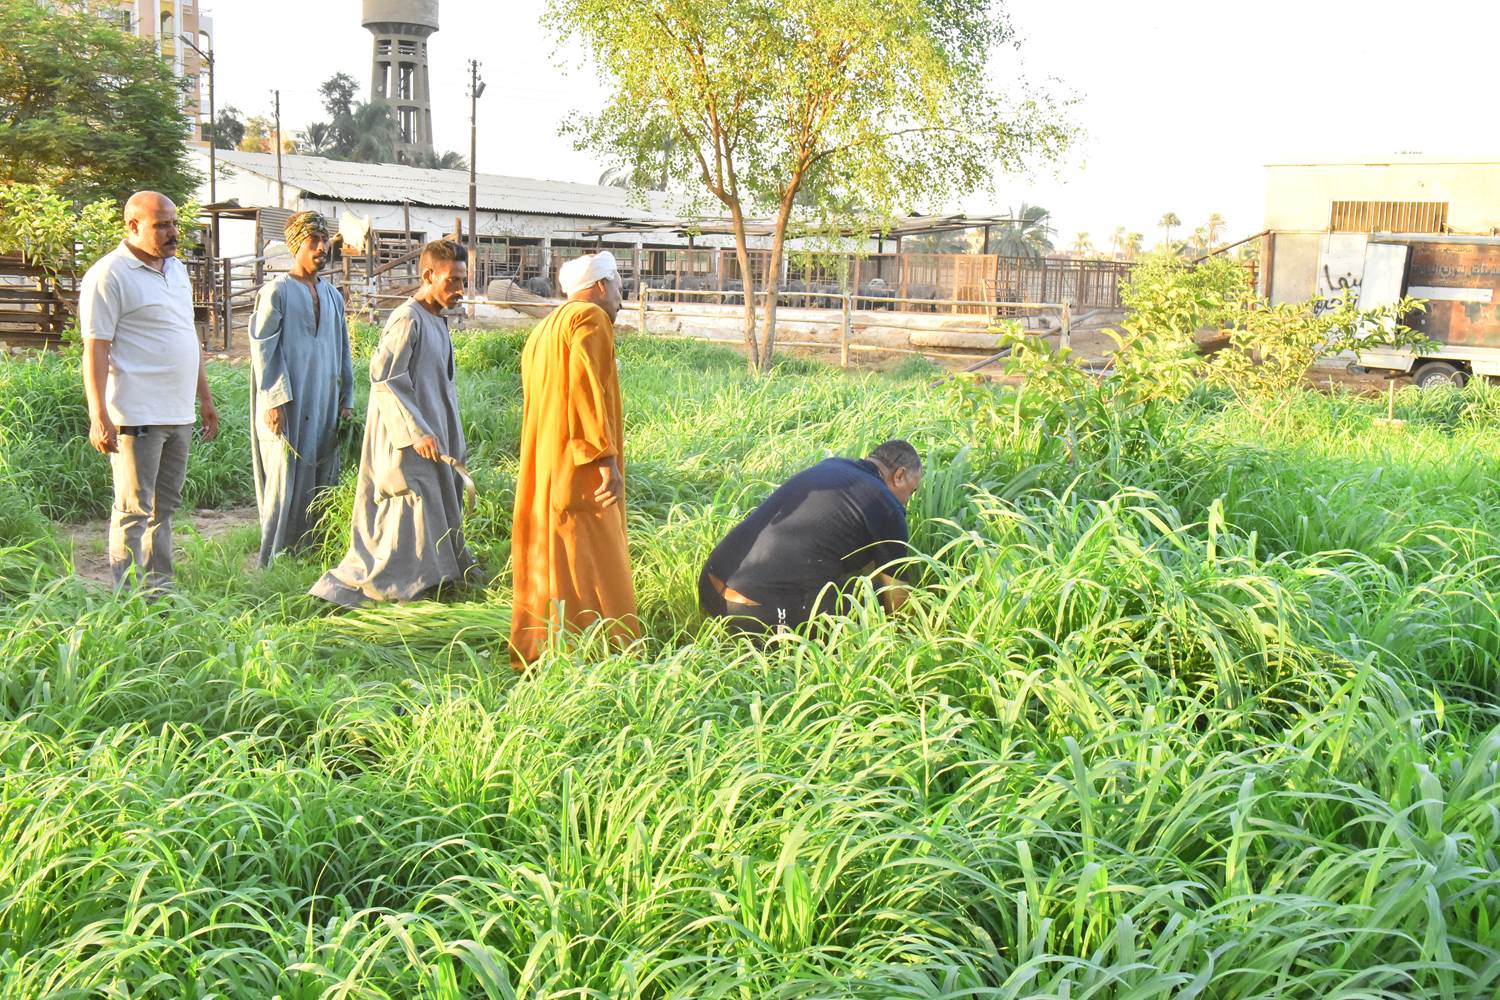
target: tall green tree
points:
(365, 133)
(1083, 246)
(338, 102)
(822, 113)
(86, 108)
(229, 129)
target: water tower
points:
(399, 68)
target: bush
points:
(1169, 302)
(49, 231)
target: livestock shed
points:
(525, 226)
(871, 262)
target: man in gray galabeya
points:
(406, 536)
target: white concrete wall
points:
(1294, 267)
(1301, 196)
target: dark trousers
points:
(750, 619)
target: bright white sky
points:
(1182, 101)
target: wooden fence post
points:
(228, 302)
(844, 331)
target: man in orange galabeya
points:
(568, 549)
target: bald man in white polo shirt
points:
(142, 366)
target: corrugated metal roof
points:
(393, 183)
(911, 225)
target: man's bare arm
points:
(206, 402)
(103, 434)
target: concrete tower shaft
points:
(398, 73)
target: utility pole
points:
(280, 188)
(211, 272)
(213, 123)
(476, 88)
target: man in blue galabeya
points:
(302, 389)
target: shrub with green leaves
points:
(49, 231)
(1273, 347)
(1168, 302)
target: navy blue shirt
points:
(824, 525)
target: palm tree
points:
(954, 241)
(1117, 242)
(1027, 234)
(1133, 244)
(1200, 241)
(668, 147)
(645, 176)
(440, 161)
(317, 139)
(375, 133)
(1082, 245)
(1214, 229)
(1167, 222)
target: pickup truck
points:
(1459, 277)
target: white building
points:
(1320, 216)
(521, 221)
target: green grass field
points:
(1200, 707)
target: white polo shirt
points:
(148, 315)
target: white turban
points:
(581, 272)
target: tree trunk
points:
(742, 254)
(773, 275)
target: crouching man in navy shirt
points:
(795, 554)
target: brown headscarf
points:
(300, 227)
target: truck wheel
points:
(1436, 373)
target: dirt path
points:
(88, 539)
